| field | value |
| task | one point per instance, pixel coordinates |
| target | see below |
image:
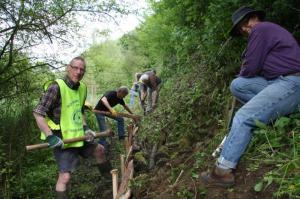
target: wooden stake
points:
(128, 155)
(114, 174)
(124, 190)
(177, 179)
(122, 159)
(126, 195)
(135, 130)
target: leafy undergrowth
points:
(87, 182)
(179, 178)
(269, 169)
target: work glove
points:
(54, 141)
(114, 113)
(90, 135)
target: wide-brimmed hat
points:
(240, 14)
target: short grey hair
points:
(123, 89)
(78, 58)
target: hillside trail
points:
(188, 185)
(160, 185)
(89, 181)
(175, 176)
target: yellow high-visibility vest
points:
(71, 124)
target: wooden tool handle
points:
(106, 133)
(107, 113)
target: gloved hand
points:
(54, 141)
(114, 113)
(89, 134)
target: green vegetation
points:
(25, 24)
(187, 43)
(277, 146)
(108, 68)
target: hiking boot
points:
(218, 177)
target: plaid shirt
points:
(50, 102)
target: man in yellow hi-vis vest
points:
(59, 115)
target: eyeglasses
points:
(82, 70)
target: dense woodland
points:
(187, 42)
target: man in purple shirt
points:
(268, 85)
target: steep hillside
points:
(187, 42)
(186, 133)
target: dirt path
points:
(161, 183)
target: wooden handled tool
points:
(136, 118)
(106, 133)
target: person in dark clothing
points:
(268, 85)
(106, 103)
(60, 115)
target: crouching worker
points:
(268, 85)
(59, 115)
(149, 88)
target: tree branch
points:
(26, 69)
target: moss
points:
(139, 156)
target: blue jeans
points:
(133, 94)
(102, 126)
(149, 100)
(265, 101)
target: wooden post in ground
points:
(129, 138)
(135, 130)
(124, 191)
(122, 160)
(114, 174)
(129, 155)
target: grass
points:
(278, 145)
